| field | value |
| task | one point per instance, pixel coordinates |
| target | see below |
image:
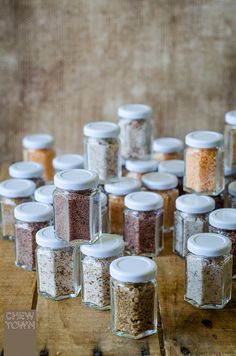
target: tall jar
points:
(39, 148)
(137, 168)
(133, 297)
(117, 190)
(143, 223)
(175, 167)
(135, 131)
(30, 218)
(77, 206)
(204, 167)
(95, 276)
(230, 139)
(12, 193)
(28, 170)
(167, 148)
(102, 149)
(208, 271)
(68, 161)
(232, 195)
(191, 217)
(166, 185)
(44, 194)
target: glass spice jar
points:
(175, 167)
(39, 148)
(208, 271)
(45, 194)
(57, 266)
(95, 276)
(13, 192)
(104, 212)
(232, 195)
(30, 218)
(68, 161)
(102, 149)
(143, 223)
(77, 206)
(135, 131)
(191, 217)
(230, 139)
(204, 167)
(230, 176)
(133, 297)
(28, 170)
(165, 184)
(137, 168)
(116, 195)
(167, 148)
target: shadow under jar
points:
(167, 148)
(137, 168)
(175, 167)
(68, 161)
(230, 139)
(28, 170)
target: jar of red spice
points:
(137, 168)
(176, 167)
(167, 148)
(28, 170)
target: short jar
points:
(167, 148)
(28, 170)
(133, 297)
(68, 161)
(191, 217)
(143, 223)
(104, 212)
(232, 195)
(95, 276)
(230, 139)
(208, 271)
(175, 167)
(137, 168)
(45, 194)
(30, 218)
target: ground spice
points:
(169, 198)
(116, 212)
(160, 157)
(43, 156)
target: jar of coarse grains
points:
(232, 195)
(191, 217)
(204, 167)
(30, 218)
(28, 170)
(45, 194)
(167, 148)
(143, 223)
(68, 161)
(135, 131)
(175, 167)
(133, 297)
(12, 193)
(208, 271)
(95, 263)
(57, 266)
(137, 168)
(230, 139)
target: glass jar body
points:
(39, 181)
(230, 145)
(42, 156)
(116, 212)
(160, 156)
(105, 219)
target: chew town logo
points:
(20, 320)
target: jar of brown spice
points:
(167, 148)
(28, 170)
(137, 168)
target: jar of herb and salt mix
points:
(137, 168)
(208, 271)
(12, 193)
(57, 266)
(39, 148)
(30, 218)
(133, 296)
(102, 149)
(167, 148)
(45, 194)
(232, 195)
(175, 167)
(166, 185)
(68, 161)
(135, 131)
(28, 170)
(204, 165)
(104, 212)
(143, 223)
(191, 217)
(77, 206)
(95, 276)
(223, 221)
(117, 190)
(230, 139)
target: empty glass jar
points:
(137, 168)
(28, 170)
(175, 167)
(230, 139)
(68, 161)
(167, 148)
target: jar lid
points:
(123, 186)
(76, 179)
(135, 111)
(102, 129)
(144, 201)
(230, 117)
(204, 139)
(69, 161)
(133, 269)
(168, 145)
(195, 204)
(229, 171)
(26, 170)
(232, 189)
(174, 166)
(141, 166)
(46, 238)
(17, 188)
(103, 199)
(223, 218)
(38, 141)
(160, 181)
(209, 244)
(108, 245)
(44, 194)
(33, 212)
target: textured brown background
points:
(64, 63)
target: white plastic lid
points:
(26, 170)
(17, 188)
(44, 194)
(195, 204)
(46, 238)
(69, 161)
(168, 145)
(103, 198)
(144, 201)
(141, 166)
(160, 181)
(123, 186)
(108, 245)
(133, 269)
(135, 111)
(38, 141)
(230, 117)
(33, 212)
(76, 179)
(175, 166)
(232, 189)
(223, 218)
(229, 171)
(101, 129)
(204, 139)
(209, 244)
